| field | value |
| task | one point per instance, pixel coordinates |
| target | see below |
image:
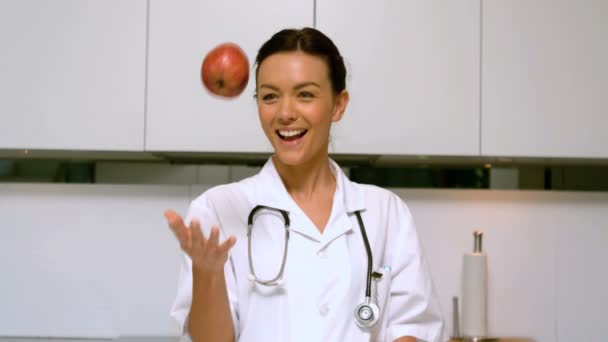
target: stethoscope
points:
(366, 313)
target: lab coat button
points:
(324, 310)
(322, 254)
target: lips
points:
(291, 134)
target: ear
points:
(340, 104)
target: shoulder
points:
(375, 191)
(377, 197)
(229, 192)
(203, 199)
(225, 205)
(223, 192)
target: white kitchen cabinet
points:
(72, 74)
(181, 114)
(545, 78)
(413, 71)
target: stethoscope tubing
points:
(285, 215)
(366, 313)
(275, 280)
(368, 249)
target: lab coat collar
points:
(347, 200)
(351, 194)
(272, 191)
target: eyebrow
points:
(297, 86)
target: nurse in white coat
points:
(323, 287)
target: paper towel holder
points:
(474, 295)
(477, 237)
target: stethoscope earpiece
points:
(366, 314)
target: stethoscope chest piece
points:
(366, 314)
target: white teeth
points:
(286, 133)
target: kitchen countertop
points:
(177, 339)
(500, 339)
(121, 339)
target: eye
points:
(306, 94)
(269, 97)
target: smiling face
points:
(297, 106)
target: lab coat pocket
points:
(381, 284)
(381, 291)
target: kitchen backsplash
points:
(98, 259)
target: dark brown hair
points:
(310, 41)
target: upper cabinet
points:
(513, 78)
(181, 115)
(545, 78)
(72, 74)
(413, 71)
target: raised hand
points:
(207, 255)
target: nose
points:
(287, 111)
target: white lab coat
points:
(325, 274)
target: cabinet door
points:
(73, 74)
(414, 75)
(181, 115)
(545, 78)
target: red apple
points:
(225, 70)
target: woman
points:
(316, 280)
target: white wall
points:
(87, 260)
(98, 260)
(546, 253)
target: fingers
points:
(197, 235)
(187, 236)
(177, 225)
(214, 237)
(227, 245)
(192, 237)
(212, 245)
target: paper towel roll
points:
(474, 295)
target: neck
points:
(304, 181)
